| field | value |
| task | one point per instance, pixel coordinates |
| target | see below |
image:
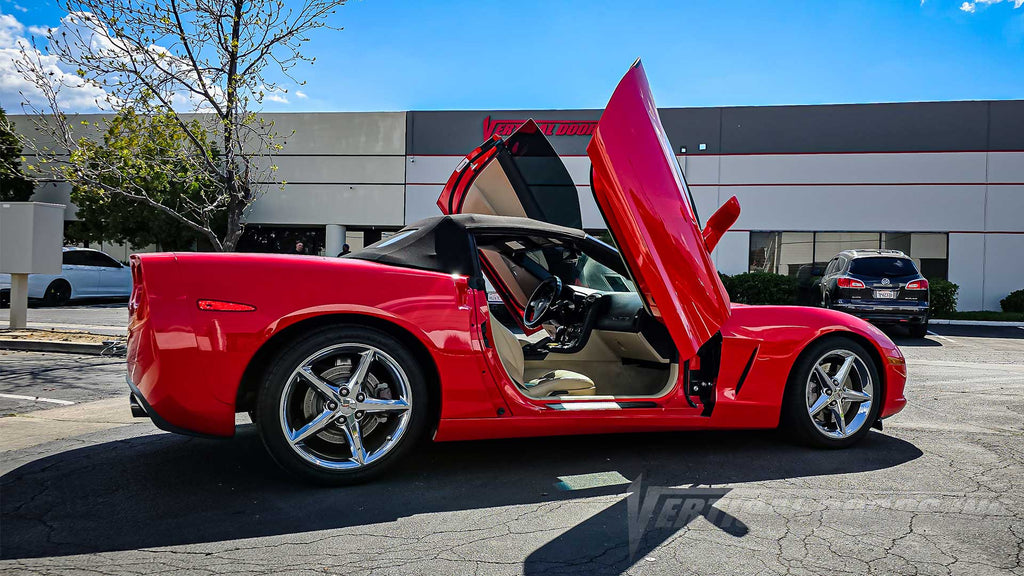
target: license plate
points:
(881, 294)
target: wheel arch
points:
(876, 357)
(245, 397)
(60, 280)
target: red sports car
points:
(345, 364)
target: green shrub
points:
(727, 282)
(1014, 301)
(760, 288)
(943, 297)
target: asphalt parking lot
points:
(85, 489)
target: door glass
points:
(550, 194)
(101, 260)
(76, 258)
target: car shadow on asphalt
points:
(166, 490)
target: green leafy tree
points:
(156, 186)
(197, 63)
(14, 186)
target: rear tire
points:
(810, 416)
(918, 330)
(328, 418)
(58, 293)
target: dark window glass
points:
(935, 268)
(100, 259)
(76, 258)
(550, 193)
(883, 266)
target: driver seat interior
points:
(554, 383)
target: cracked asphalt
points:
(939, 491)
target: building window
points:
(801, 254)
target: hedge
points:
(1014, 301)
(760, 288)
(943, 297)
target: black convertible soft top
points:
(445, 243)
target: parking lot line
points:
(37, 399)
(941, 336)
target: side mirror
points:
(720, 222)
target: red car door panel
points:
(643, 196)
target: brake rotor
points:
(313, 403)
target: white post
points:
(19, 300)
(334, 237)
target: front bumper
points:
(884, 311)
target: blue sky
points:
(406, 55)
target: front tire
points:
(833, 395)
(58, 293)
(342, 404)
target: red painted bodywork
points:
(642, 193)
(189, 364)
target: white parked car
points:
(85, 273)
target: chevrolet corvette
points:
(346, 364)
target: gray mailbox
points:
(31, 236)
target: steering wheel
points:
(540, 301)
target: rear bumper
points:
(884, 311)
(142, 409)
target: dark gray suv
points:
(881, 286)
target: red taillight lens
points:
(222, 306)
(844, 282)
(918, 285)
(135, 299)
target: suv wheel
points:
(918, 330)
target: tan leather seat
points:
(554, 383)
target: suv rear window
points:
(883, 266)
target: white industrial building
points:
(941, 181)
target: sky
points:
(455, 54)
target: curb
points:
(991, 323)
(51, 346)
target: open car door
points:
(522, 176)
(641, 191)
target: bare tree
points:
(206, 64)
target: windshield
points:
(578, 269)
(883, 266)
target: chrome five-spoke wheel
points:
(834, 393)
(839, 393)
(340, 403)
(345, 406)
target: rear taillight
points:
(918, 285)
(844, 282)
(135, 299)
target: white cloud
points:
(83, 35)
(19, 7)
(278, 98)
(75, 93)
(971, 7)
(301, 94)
